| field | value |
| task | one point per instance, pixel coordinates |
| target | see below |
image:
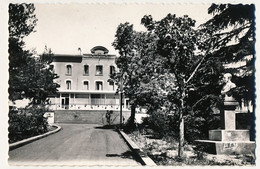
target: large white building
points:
(84, 87)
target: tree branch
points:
(195, 70)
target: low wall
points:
(88, 116)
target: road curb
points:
(31, 139)
(144, 159)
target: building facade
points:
(84, 82)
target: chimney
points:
(79, 49)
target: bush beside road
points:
(52, 129)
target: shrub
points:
(198, 119)
(201, 118)
(162, 124)
(26, 123)
(108, 116)
(129, 126)
(200, 151)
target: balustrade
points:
(86, 107)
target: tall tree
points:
(166, 64)
(21, 23)
(29, 76)
(132, 73)
(179, 45)
(233, 36)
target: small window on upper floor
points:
(86, 70)
(68, 85)
(99, 70)
(112, 70)
(69, 70)
(99, 85)
(111, 83)
(85, 85)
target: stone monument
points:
(228, 140)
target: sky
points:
(66, 27)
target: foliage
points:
(200, 151)
(26, 123)
(202, 118)
(192, 73)
(168, 66)
(29, 76)
(176, 68)
(233, 37)
(132, 46)
(129, 126)
(40, 75)
(22, 21)
(164, 152)
(109, 118)
(197, 122)
(162, 124)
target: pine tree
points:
(233, 39)
(30, 76)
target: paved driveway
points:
(76, 144)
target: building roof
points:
(97, 51)
(77, 57)
(99, 56)
(67, 55)
(99, 48)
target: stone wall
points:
(88, 116)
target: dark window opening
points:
(69, 70)
(112, 69)
(99, 70)
(99, 85)
(68, 85)
(86, 70)
(85, 84)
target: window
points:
(86, 70)
(85, 85)
(99, 85)
(69, 70)
(99, 70)
(68, 84)
(112, 70)
(111, 83)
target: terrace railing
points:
(86, 107)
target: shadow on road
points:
(128, 154)
(107, 127)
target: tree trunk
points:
(132, 117)
(181, 132)
(130, 124)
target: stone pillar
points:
(228, 114)
(228, 140)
